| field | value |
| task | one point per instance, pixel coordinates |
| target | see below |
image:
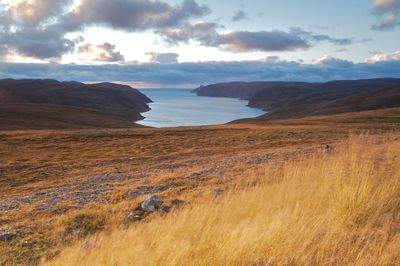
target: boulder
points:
(152, 204)
(7, 236)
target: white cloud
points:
(377, 57)
(104, 52)
(331, 61)
(163, 58)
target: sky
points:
(186, 43)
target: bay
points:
(181, 107)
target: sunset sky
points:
(187, 43)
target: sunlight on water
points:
(180, 107)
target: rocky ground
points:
(97, 189)
(57, 187)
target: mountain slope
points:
(53, 104)
(287, 99)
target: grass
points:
(338, 209)
(195, 164)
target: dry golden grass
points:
(194, 164)
(331, 209)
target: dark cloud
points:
(207, 34)
(242, 41)
(272, 58)
(205, 73)
(239, 15)
(26, 29)
(38, 28)
(341, 50)
(237, 41)
(37, 43)
(388, 11)
(134, 15)
(366, 40)
(315, 37)
(163, 58)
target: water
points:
(180, 107)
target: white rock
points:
(151, 204)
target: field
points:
(59, 187)
(335, 209)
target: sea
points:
(181, 107)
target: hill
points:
(299, 99)
(32, 104)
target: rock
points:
(328, 148)
(135, 216)
(152, 204)
(25, 200)
(7, 236)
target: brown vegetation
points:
(50, 104)
(57, 187)
(327, 209)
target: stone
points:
(134, 216)
(7, 236)
(328, 148)
(152, 204)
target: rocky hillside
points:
(53, 104)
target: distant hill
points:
(37, 104)
(299, 99)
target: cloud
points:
(341, 50)
(388, 12)
(378, 56)
(387, 5)
(239, 15)
(26, 29)
(38, 28)
(36, 42)
(237, 41)
(102, 52)
(204, 73)
(242, 41)
(163, 58)
(315, 37)
(131, 16)
(208, 34)
(36, 11)
(330, 61)
(205, 33)
(271, 58)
